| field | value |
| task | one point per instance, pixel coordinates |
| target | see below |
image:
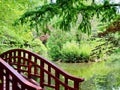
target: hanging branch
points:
(67, 13)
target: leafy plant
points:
(85, 51)
(70, 52)
(73, 52)
(38, 47)
(55, 43)
(68, 14)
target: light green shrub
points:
(85, 51)
(11, 39)
(38, 47)
(70, 52)
(73, 52)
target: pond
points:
(104, 75)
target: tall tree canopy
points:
(71, 13)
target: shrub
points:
(85, 51)
(55, 43)
(73, 52)
(11, 39)
(38, 47)
(70, 52)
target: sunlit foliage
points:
(71, 12)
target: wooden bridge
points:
(24, 70)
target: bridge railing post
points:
(42, 74)
(57, 85)
(1, 76)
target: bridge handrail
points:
(11, 73)
(21, 54)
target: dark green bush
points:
(55, 43)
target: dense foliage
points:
(17, 36)
(47, 18)
(71, 13)
(56, 41)
(68, 15)
(73, 52)
(64, 22)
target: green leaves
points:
(39, 16)
(73, 52)
(68, 12)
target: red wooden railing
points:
(37, 70)
(12, 80)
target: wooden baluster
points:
(76, 85)
(7, 56)
(66, 82)
(29, 65)
(57, 85)
(10, 59)
(14, 83)
(23, 88)
(49, 77)
(42, 74)
(19, 61)
(7, 80)
(35, 67)
(14, 58)
(24, 57)
(1, 77)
